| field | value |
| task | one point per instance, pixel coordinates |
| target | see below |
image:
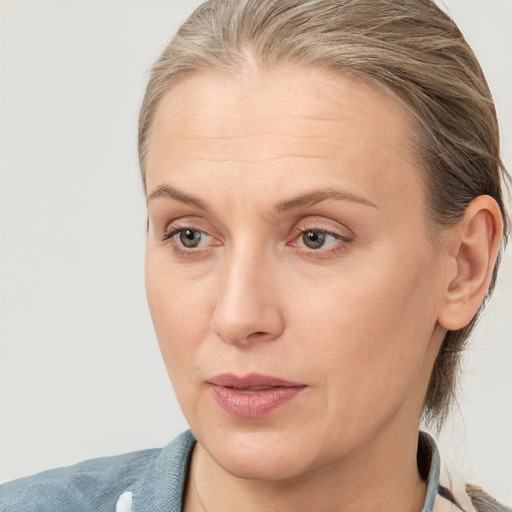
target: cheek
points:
(369, 332)
(180, 316)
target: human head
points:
(411, 50)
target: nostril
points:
(259, 335)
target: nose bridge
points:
(247, 307)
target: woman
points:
(324, 222)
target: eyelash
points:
(180, 250)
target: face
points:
(289, 273)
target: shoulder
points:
(447, 490)
(454, 494)
(92, 485)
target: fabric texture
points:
(154, 481)
(155, 478)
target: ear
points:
(474, 244)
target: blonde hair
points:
(411, 49)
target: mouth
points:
(253, 395)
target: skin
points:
(357, 320)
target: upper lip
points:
(250, 381)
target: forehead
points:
(258, 97)
(308, 120)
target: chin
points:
(258, 455)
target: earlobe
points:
(477, 239)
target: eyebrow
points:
(168, 191)
(318, 196)
(306, 200)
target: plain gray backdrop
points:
(81, 374)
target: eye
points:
(191, 237)
(314, 239)
(182, 239)
(321, 237)
(317, 239)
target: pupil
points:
(190, 237)
(313, 239)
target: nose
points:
(248, 305)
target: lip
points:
(253, 395)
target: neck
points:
(381, 477)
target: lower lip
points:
(254, 404)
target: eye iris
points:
(190, 237)
(313, 239)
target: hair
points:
(412, 50)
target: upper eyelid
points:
(186, 223)
(343, 231)
(173, 231)
(327, 231)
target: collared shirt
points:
(446, 491)
(154, 481)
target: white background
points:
(81, 374)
